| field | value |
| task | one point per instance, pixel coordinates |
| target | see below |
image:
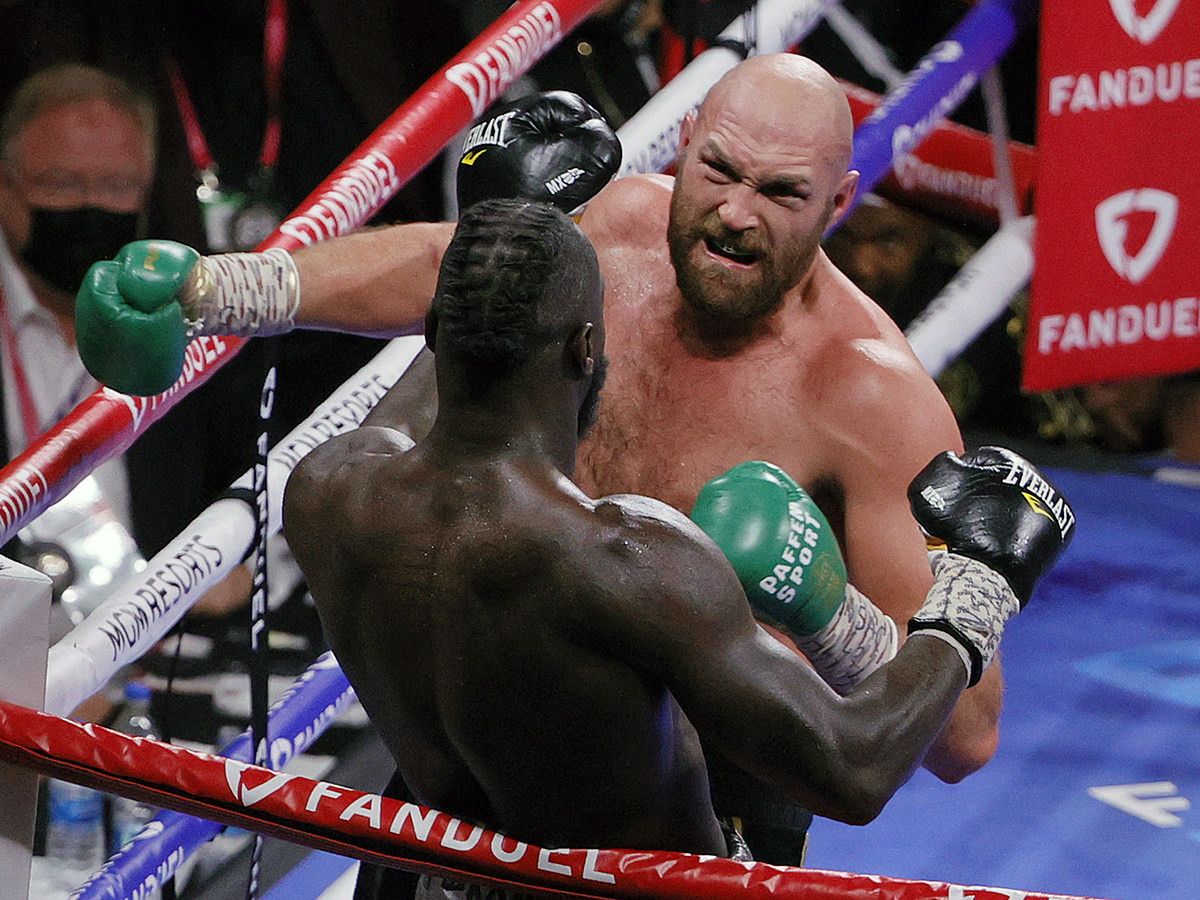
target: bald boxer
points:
(541, 662)
(731, 336)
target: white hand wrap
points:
(853, 644)
(243, 294)
(967, 607)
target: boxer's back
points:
(477, 605)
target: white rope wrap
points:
(967, 606)
(853, 644)
(243, 294)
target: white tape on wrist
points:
(245, 294)
(969, 603)
(855, 642)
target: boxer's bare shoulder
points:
(678, 579)
(630, 211)
(350, 453)
(330, 478)
(637, 513)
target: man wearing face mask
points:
(76, 163)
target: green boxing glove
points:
(129, 323)
(135, 315)
(789, 563)
(779, 543)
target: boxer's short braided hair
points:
(498, 289)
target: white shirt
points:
(55, 375)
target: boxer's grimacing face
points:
(759, 180)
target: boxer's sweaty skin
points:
(827, 388)
(543, 663)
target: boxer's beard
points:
(732, 297)
(711, 295)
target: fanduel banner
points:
(1115, 284)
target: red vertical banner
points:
(1116, 279)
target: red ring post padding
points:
(107, 422)
(404, 835)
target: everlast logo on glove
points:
(552, 147)
(996, 507)
(491, 132)
(1003, 525)
(1042, 496)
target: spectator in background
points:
(900, 258)
(1182, 426)
(1157, 416)
(76, 163)
(1126, 415)
(347, 65)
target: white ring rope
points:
(650, 138)
(871, 55)
(975, 297)
(142, 610)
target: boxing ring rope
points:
(141, 611)
(201, 528)
(300, 715)
(370, 827)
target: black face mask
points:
(63, 243)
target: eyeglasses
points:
(62, 189)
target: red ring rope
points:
(367, 826)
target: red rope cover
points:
(404, 835)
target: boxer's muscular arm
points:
(136, 313)
(899, 421)
(760, 702)
(371, 282)
(629, 214)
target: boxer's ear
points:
(581, 350)
(685, 129)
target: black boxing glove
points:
(551, 147)
(1004, 524)
(995, 507)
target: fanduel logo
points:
(245, 794)
(1143, 29)
(1112, 228)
